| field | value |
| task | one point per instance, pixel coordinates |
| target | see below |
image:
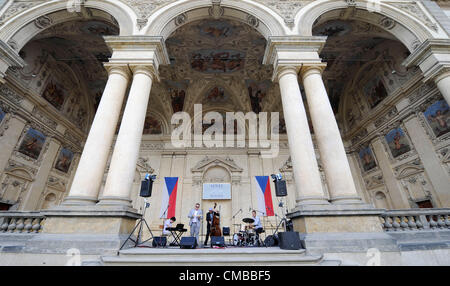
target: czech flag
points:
(264, 195)
(169, 197)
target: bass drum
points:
(271, 240)
(237, 239)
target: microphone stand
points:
(141, 222)
(264, 225)
(234, 223)
(162, 230)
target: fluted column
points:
(332, 153)
(304, 163)
(126, 151)
(443, 83)
(89, 174)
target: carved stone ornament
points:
(285, 8)
(208, 161)
(144, 8)
(17, 7)
(416, 11)
(43, 22)
(144, 166)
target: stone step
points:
(199, 257)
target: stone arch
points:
(166, 20)
(217, 173)
(407, 29)
(381, 199)
(204, 88)
(49, 201)
(165, 128)
(23, 27)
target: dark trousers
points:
(208, 233)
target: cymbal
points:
(248, 220)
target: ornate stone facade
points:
(369, 63)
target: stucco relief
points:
(16, 8)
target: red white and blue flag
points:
(264, 195)
(169, 197)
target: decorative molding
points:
(228, 162)
(144, 166)
(416, 11)
(43, 22)
(216, 11)
(16, 8)
(287, 9)
(144, 9)
(374, 181)
(411, 168)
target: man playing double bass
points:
(209, 219)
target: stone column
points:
(11, 132)
(399, 198)
(40, 182)
(304, 162)
(89, 174)
(438, 176)
(443, 83)
(126, 151)
(332, 153)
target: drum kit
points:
(247, 235)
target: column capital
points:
(282, 51)
(444, 73)
(122, 69)
(286, 69)
(138, 51)
(8, 57)
(432, 57)
(309, 69)
(146, 69)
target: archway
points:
(405, 27)
(168, 19)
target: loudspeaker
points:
(280, 188)
(218, 241)
(225, 231)
(189, 242)
(146, 188)
(159, 241)
(289, 240)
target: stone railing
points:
(20, 222)
(416, 220)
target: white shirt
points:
(195, 219)
(167, 224)
(257, 222)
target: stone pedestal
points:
(87, 229)
(339, 229)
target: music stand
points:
(140, 224)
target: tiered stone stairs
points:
(272, 256)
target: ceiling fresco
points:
(217, 63)
(354, 48)
(65, 66)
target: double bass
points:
(215, 225)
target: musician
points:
(195, 217)
(257, 223)
(209, 219)
(167, 224)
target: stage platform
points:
(229, 256)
